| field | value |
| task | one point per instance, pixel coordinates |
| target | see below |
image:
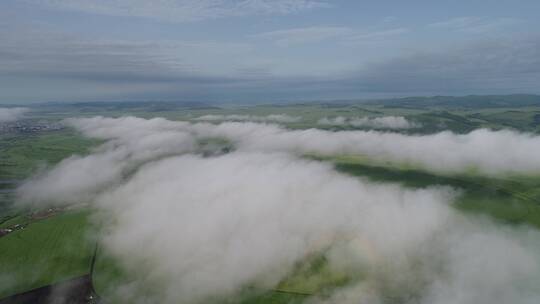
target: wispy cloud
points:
(305, 35)
(376, 36)
(316, 34)
(475, 25)
(183, 10)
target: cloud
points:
(475, 25)
(53, 54)
(250, 226)
(385, 122)
(443, 151)
(47, 61)
(305, 35)
(315, 34)
(502, 65)
(40, 64)
(375, 36)
(183, 10)
(131, 143)
(253, 214)
(280, 118)
(12, 114)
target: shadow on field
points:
(74, 291)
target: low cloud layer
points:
(282, 118)
(12, 114)
(385, 122)
(191, 229)
(483, 150)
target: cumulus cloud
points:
(12, 114)
(214, 226)
(385, 122)
(283, 118)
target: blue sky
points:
(260, 50)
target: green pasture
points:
(45, 252)
(510, 199)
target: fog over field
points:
(208, 227)
(385, 122)
(278, 118)
(12, 114)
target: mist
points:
(279, 118)
(12, 114)
(192, 229)
(385, 122)
(483, 151)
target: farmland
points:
(45, 252)
(60, 246)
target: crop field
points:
(21, 155)
(45, 252)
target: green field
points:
(510, 199)
(45, 252)
(21, 154)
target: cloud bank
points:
(12, 114)
(385, 122)
(445, 151)
(193, 229)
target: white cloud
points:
(131, 143)
(183, 10)
(12, 114)
(516, 152)
(305, 35)
(375, 36)
(385, 122)
(475, 25)
(315, 34)
(216, 225)
(446, 151)
(280, 118)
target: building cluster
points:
(29, 127)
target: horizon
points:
(262, 102)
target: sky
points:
(243, 51)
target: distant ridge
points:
(152, 106)
(470, 101)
